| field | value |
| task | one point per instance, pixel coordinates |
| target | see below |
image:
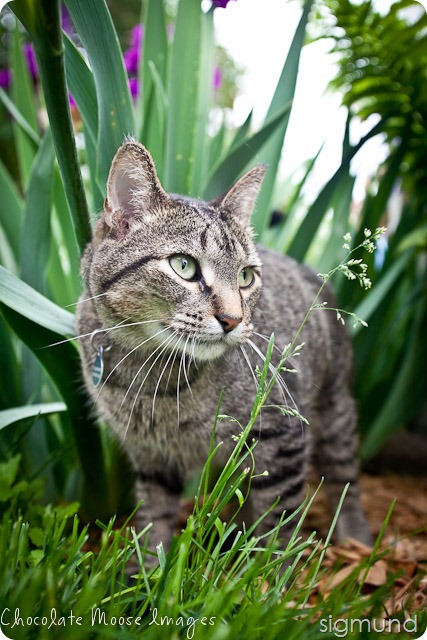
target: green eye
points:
(184, 266)
(246, 277)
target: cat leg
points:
(335, 454)
(160, 506)
(281, 452)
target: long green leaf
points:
(155, 120)
(314, 217)
(33, 305)
(284, 94)
(115, 111)
(64, 249)
(206, 62)
(48, 48)
(82, 87)
(20, 120)
(154, 54)
(372, 302)
(63, 365)
(229, 169)
(10, 416)
(10, 383)
(23, 96)
(407, 392)
(36, 236)
(11, 207)
(182, 89)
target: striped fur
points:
(168, 351)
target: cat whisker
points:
(74, 304)
(163, 346)
(129, 353)
(187, 367)
(246, 357)
(120, 325)
(181, 367)
(172, 354)
(176, 349)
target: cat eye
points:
(184, 266)
(246, 277)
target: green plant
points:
(382, 62)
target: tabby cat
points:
(178, 303)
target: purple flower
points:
(31, 60)
(220, 4)
(132, 55)
(5, 78)
(137, 36)
(66, 21)
(134, 87)
(216, 78)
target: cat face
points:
(170, 270)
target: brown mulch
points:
(403, 550)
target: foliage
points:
(382, 72)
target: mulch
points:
(402, 554)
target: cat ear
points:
(239, 201)
(133, 188)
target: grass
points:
(60, 579)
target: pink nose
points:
(228, 323)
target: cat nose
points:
(228, 323)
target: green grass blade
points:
(36, 235)
(10, 416)
(182, 89)
(284, 94)
(11, 207)
(242, 132)
(230, 168)
(115, 110)
(33, 305)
